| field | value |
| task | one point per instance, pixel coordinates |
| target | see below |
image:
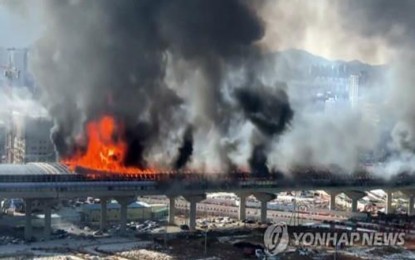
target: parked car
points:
(184, 227)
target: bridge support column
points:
(103, 220)
(355, 196)
(242, 206)
(28, 231)
(264, 211)
(123, 215)
(172, 210)
(124, 202)
(388, 202)
(411, 201)
(193, 200)
(264, 198)
(332, 205)
(48, 220)
(354, 205)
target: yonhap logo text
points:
(277, 239)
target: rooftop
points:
(114, 205)
(33, 169)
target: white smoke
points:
(324, 139)
(319, 27)
(332, 29)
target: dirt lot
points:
(224, 244)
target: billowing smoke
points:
(197, 83)
(329, 28)
(186, 150)
(269, 110)
(395, 27)
(380, 128)
(156, 66)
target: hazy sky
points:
(290, 24)
(18, 29)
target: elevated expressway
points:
(48, 183)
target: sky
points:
(20, 26)
(18, 29)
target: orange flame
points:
(106, 150)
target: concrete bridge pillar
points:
(47, 209)
(103, 220)
(172, 209)
(354, 204)
(124, 202)
(355, 196)
(333, 195)
(193, 200)
(242, 205)
(264, 198)
(411, 199)
(28, 230)
(388, 202)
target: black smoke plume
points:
(269, 110)
(258, 161)
(186, 150)
(107, 56)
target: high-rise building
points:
(19, 63)
(14, 68)
(28, 140)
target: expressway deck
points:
(56, 180)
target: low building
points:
(159, 211)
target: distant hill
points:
(294, 64)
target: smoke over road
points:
(269, 110)
(374, 31)
(160, 68)
(193, 85)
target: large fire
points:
(105, 150)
